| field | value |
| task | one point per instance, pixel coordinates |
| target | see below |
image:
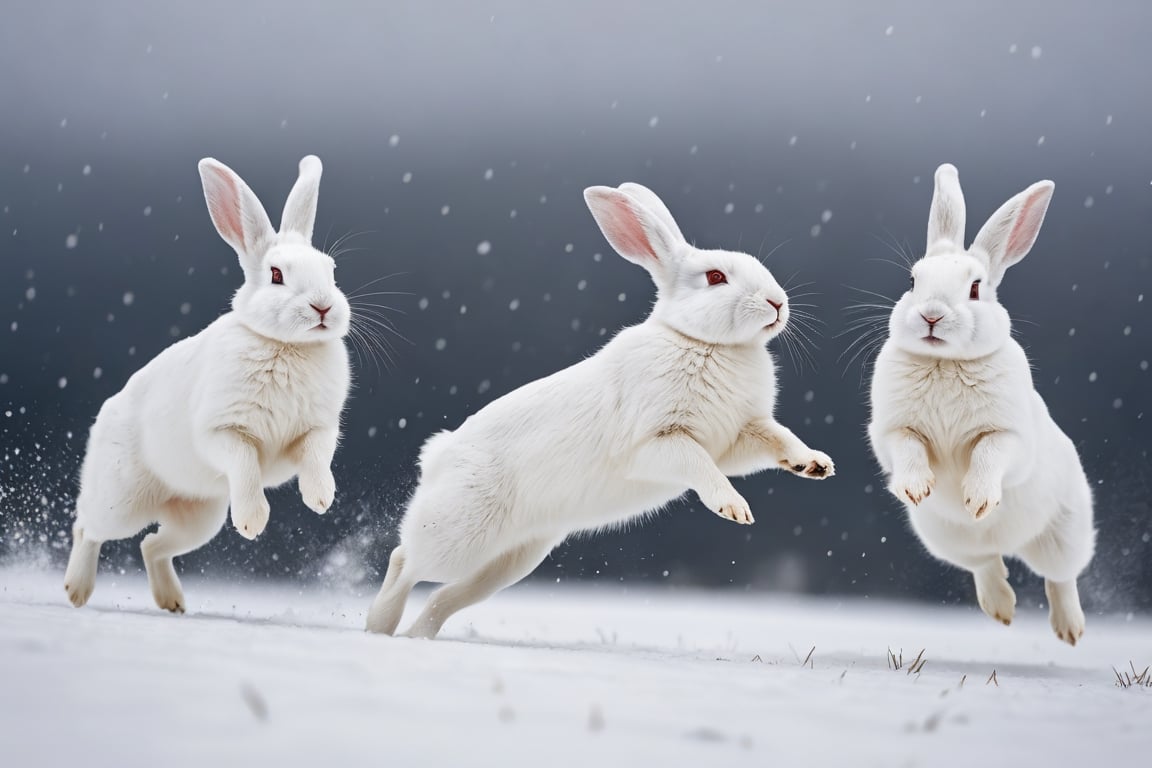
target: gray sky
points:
(445, 125)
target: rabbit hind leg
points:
(185, 525)
(504, 570)
(80, 577)
(388, 607)
(1059, 555)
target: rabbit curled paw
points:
(730, 505)
(250, 519)
(982, 494)
(318, 489)
(913, 487)
(813, 464)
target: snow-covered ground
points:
(559, 676)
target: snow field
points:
(563, 675)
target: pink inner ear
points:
(627, 233)
(1027, 226)
(224, 206)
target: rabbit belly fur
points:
(1046, 500)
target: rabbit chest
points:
(278, 392)
(951, 403)
(713, 391)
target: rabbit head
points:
(714, 296)
(950, 309)
(289, 292)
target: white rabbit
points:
(675, 403)
(965, 440)
(247, 403)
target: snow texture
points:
(282, 675)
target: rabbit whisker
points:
(381, 322)
(763, 259)
(899, 265)
(796, 344)
(335, 251)
(363, 347)
(807, 333)
(873, 294)
(382, 325)
(370, 305)
(865, 344)
(377, 280)
(341, 253)
(896, 247)
(807, 318)
(379, 293)
(799, 286)
(376, 341)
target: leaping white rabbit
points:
(677, 402)
(966, 441)
(247, 403)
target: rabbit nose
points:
(775, 305)
(933, 319)
(322, 310)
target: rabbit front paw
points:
(250, 519)
(913, 487)
(981, 495)
(814, 464)
(732, 506)
(318, 490)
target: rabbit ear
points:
(237, 213)
(946, 219)
(653, 203)
(1009, 234)
(300, 209)
(634, 231)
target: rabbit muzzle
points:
(931, 321)
(322, 311)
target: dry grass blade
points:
(918, 664)
(895, 662)
(1129, 679)
(992, 679)
(808, 659)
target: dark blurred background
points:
(457, 138)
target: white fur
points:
(675, 403)
(249, 402)
(966, 441)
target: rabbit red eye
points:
(974, 293)
(715, 277)
(277, 276)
